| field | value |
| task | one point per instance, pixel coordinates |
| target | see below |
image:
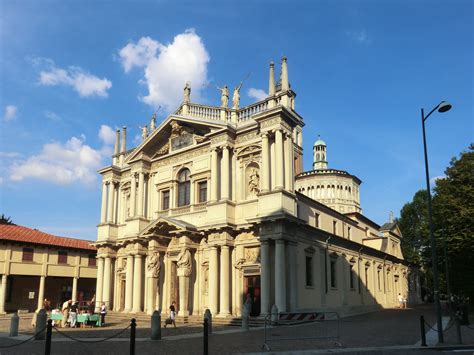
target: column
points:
(279, 159)
(291, 163)
(213, 279)
(225, 174)
(107, 281)
(265, 276)
(293, 277)
(214, 175)
(133, 195)
(137, 284)
(265, 163)
(183, 293)
(40, 292)
(280, 276)
(129, 284)
(225, 290)
(110, 203)
(100, 281)
(141, 183)
(3, 293)
(74, 289)
(103, 209)
(151, 291)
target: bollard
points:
(40, 324)
(458, 329)
(422, 329)
(156, 326)
(49, 333)
(208, 316)
(15, 321)
(206, 337)
(133, 326)
(245, 318)
(274, 314)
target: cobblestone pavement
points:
(392, 327)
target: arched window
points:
(317, 156)
(184, 188)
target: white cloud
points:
(53, 116)
(359, 36)
(435, 178)
(257, 94)
(9, 155)
(84, 83)
(167, 68)
(63, 164)
(10, 113)
(107, 134)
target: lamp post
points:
(443, 106)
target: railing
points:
(207, 112)
(247, 112)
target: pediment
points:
(173, 134)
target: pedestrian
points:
(65, 312)
(103, 312)
(172, 318)
(405, 301)
(400, 300)
(73, 314)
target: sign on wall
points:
(31, 295)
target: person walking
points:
(172, 318)
(103, 312)
(400, 301)
(65, 312)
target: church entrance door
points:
(252, 288)
(122, 293)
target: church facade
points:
(210, 208)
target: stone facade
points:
(204, 212)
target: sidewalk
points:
(394, 328)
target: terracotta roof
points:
(34, 236)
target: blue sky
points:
(71, 71)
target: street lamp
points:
(442, 107)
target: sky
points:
(71, 72)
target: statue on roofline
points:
(144, 132)
(187, 93)
(224, 96)
(236, 96)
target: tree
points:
(6, 220)
(453, 221)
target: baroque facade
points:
(205, 211)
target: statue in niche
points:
(224, 96)
(123, 267)
(144, 132)
(184, 261)
(154, 265)
(254, 182)
(236, 97)
(187, 93)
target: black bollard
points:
(423, 333)
(49, 333)
(15, 321)
(41, 317)
(206, 336)
(133, 326)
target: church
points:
(213, 206)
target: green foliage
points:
(453, 220)
(5, 220)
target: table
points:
(83, 319)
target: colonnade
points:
(329, 191)
(221, 188)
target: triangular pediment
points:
(167, 227)
(174, 134)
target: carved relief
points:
(246, 137)
(270, 122)
(163, 150)
(182, 156)
(154, 265)
(252, 179)
(239, 264)
(184, 261)
(122, 267)
(252, 255)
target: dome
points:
(319, 141)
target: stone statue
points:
(154, 265)
(254, 182)
(144, 132)
(224, 96)
(187, 93)
(153, 122)
(236, 97)
(184, 261)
